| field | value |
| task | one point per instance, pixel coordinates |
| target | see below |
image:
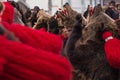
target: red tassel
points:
(8, 13)
(2, 63)
(23, 61)
(36, 38)
(7, 76)
(112, 49)
(23, 72)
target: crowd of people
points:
(112, 11)
(28, 54)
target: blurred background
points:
(51, 6)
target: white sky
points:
(78, 5)
(43, 4)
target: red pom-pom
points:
(112, 49)
(106, 35)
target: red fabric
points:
(36, 38)
(112, 50)
(42, 29)
(62, 37)
(64, 11)
(8, 13)
(112, 7)
(2, 62)
(119, 32)
(91, 11)
(106, 35)
(117, 20)
(56, 16)
(27, 63)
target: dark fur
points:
(118, 23)
(86, 13)
(51, 25)
(22, 11)
(68, 20)
(85, 50)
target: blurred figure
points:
(111, 11)
(17, 14)
(119, 13)
(33, 17)
(66, 33)
(118, 8)
(23, 8)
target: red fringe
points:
(37, 39)
(24, 61)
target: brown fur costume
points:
(85, 49)
(42, 17)
(68, 19)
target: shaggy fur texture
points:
(42, 18)
(68, 20)
(46, 21)
(71, 15)
(85, 50)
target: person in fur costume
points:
(36, 38)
